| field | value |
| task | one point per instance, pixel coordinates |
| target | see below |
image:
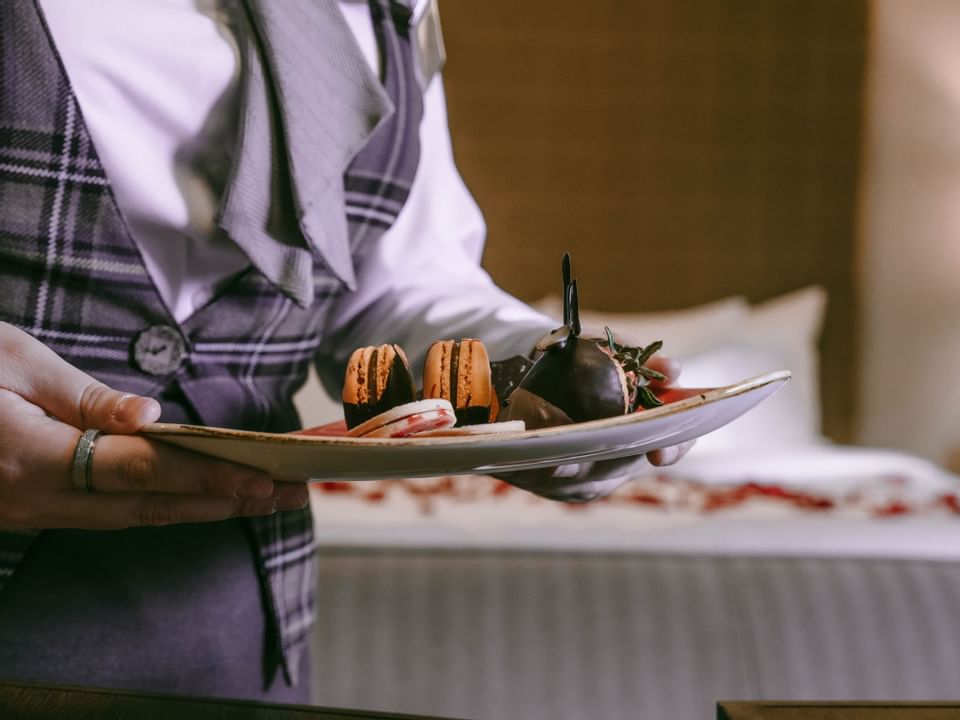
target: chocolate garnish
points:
(507, 374)
(574, 310)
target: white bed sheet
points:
(810, 500)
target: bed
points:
(706, 158)
(816, 572)
(797, 571)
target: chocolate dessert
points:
(577, 378)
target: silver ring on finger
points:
(81, 471)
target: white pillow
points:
(782, 333)
(684, 332)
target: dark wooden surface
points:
(837, 711)
(31, 702)
(683, 151)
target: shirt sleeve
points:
(422, 280)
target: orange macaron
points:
(459, 371)
(377, 378)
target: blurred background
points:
(762, 184)
(690, 151)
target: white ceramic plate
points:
(302, 457)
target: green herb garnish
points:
(632, 360)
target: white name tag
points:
(430, 55)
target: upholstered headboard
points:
(683, 151)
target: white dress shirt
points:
(158, 84)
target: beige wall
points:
(910, 384)
(681, 151)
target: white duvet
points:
(816, 499)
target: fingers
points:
(585, 491)
(573, 482)
(116, 510)
(111, 511)
(36, 373)
(124, 464)
(583, 482)
(101, 408)
(119, 509)
(291, 495)
(600, 478)
(669, 455)
(137, 465)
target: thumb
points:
(32, 370)
(98, 407)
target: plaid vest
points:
(71, 275)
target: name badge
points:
(431, 55)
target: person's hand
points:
(45, 404)
(582, 482)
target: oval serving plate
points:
(302, 457)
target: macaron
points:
(378, 378)
(407, 419)
(459, 371)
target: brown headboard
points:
(683, 151)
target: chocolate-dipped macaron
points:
(378, 378)
(459, 371)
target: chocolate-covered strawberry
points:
(578, 378)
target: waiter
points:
(198, 200)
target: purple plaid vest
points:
(71, 275)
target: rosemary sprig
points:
(647, 399)
(632, 359)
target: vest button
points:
(159, 350)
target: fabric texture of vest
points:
(72, 277)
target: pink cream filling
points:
(412, 424)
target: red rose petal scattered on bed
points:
(335, 487)
(642, 498)
(951, 503)
(892, 509)
(665, 493)
(677, 495)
